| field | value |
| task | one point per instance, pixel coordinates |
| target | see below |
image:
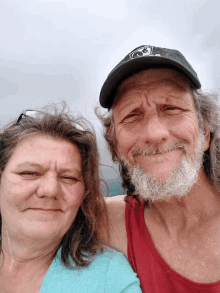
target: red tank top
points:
(155, 275)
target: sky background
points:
(63, 50)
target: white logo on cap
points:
(143, 51)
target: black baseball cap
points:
(141, 58)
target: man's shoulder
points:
(118, 198)
(116, 202)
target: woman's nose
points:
(49, 186)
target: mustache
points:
(158, 149)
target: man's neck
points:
(199, 205)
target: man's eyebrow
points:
(128, 103)
(177, 97)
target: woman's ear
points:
(86, 193)
(206, 136)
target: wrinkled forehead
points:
(151, 78)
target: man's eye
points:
(131, 116)
(172, 109)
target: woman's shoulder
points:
(108, 254)
(113, 260)
(109, 271)
(119, 273)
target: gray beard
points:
(176, 185)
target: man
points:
(165, 135)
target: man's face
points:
(156, 123)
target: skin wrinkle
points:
(152, 150)
(130, 105)
(12, 260)
(130, 82)
(31, 164)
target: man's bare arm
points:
(116, 215)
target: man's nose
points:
(49, 186)
(155, 130)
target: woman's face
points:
(41, 188)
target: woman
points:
(52, 210)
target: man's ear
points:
(206, 136)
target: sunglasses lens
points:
(30, 113)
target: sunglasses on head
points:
(22, 118)
(26, 114)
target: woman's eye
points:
(29, 174)
(70, 179)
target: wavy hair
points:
(83, 239)
(208, 110)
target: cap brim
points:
(118, 75)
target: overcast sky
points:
(64, 49)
